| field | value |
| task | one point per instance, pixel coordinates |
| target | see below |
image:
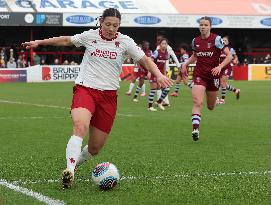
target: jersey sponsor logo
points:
(80, 19)
(104, 54)
(161, 61)
(266, 22)
(147, 20)
(205, 54)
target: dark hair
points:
(144, 41)
(227, 37)
(184, 46)
(163, 39)
(206, 18)
(111, 12)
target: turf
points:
(230, 164)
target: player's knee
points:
(80, 128)
(211, 107)
(94, 149)
(197, 102)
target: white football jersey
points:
(103, 59)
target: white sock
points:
(159, 92)
(131, 87)
(166, 100)
(143, 88)
(73, 151)
(84, 156)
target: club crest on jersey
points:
(117, 44)
(104, 54)
(94, 41)
(209, 45)
(198, 79)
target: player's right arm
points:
(190, 60)
(55, 41)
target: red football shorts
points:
(211, 84)
(101, 104)
(153, 79)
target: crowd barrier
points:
(62, 73)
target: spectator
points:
(72, 63)
(267, 59)
(66, 62)
(11, 54)
(2, 62)
(56, 61)
(36, 59)
(43, 62)
(3, 53)
(245, 61)
(11, 63)
(261, 60)
(254, 60)
(21, 63)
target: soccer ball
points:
(105, 175)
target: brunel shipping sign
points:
(30, 19)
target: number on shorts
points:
(216, 83)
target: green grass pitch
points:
(230, 164)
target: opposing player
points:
(206, 51)
(160, 56)
(226, 72)
(142, 72)
(159, 36)
(94, 101)
(184, 57)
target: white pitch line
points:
(32, 104)
(36, 195)
(182, 175)
(51, 106)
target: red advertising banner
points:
(223, 7)
(240, 72)
(12, 76)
